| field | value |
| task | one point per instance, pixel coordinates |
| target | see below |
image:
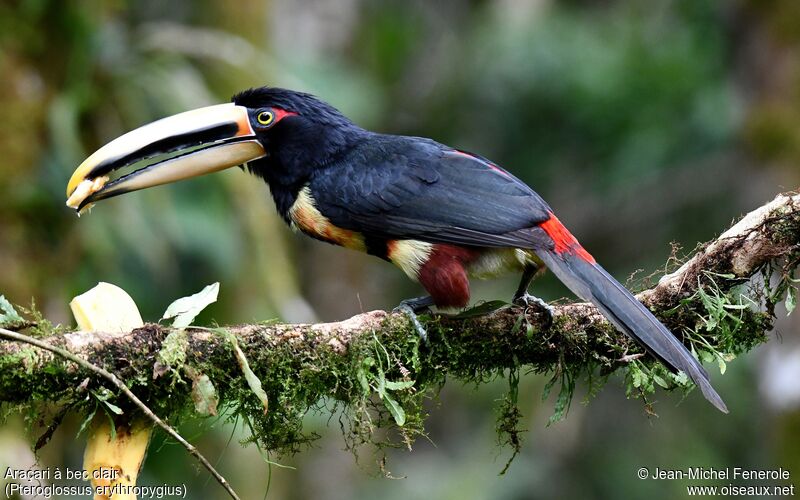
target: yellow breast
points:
(307, 218)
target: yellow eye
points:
(265, 117)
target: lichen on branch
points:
(374, 368)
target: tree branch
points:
(9, 335)
(374, 366)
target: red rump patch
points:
(563, 239)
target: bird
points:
(440, 214)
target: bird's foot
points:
(528, 300)
(412, 307)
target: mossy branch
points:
(373, 366)
(9, 335)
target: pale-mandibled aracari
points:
(438, 213)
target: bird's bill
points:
(201, 141)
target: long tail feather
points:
(591, 282)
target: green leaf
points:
(660, 381)
(361, 375)
(250, 377)
(185, 309)
(681, 379)
(563, 400)
(86, 421)
(364, 373)
(102, 394)
(791, 300)
(113, 426)
(381, 379)
(483, 309)
(638, 377)
(9, 314)
(513, 383)
(395, 409)
(399, 386)
(111, 406)
(548, 387)
(204, 395)
(722, 365)
(518, 324)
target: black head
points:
(282, 135)
(301, 103)
(300, 133)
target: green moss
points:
(36, 325)
(172, 356)
(508, 431)
(369, 384)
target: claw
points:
(528, 300)
(412, 315)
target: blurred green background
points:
(642, 123)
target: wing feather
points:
(412, 188)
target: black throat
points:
(297, 150)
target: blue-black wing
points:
(411, 188)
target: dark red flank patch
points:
(444, 275)
(564, 240)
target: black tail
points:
(591, 282)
